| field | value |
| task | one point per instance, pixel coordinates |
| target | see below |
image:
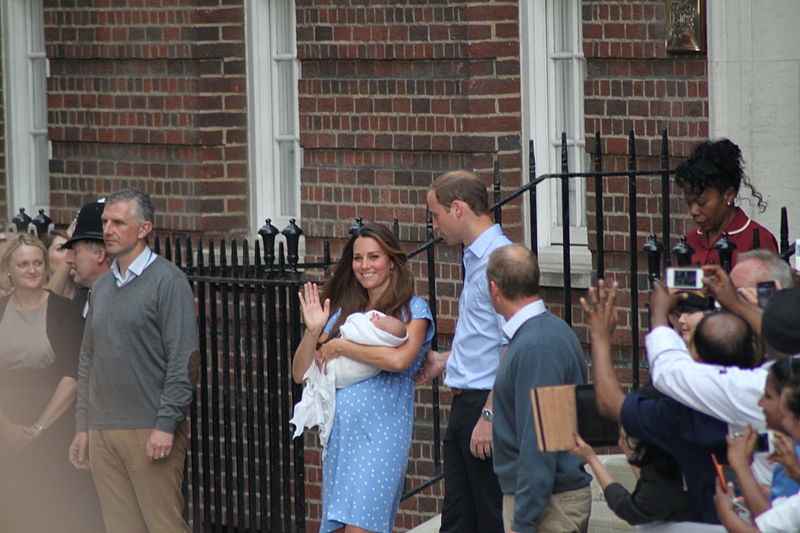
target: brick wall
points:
(392, 95)
(150, 94)
(633, 84)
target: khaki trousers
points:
(137, 494)
(566, 512)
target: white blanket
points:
(318, 404)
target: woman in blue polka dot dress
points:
(367, 453)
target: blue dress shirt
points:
(479, 336)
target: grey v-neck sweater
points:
(137, 345)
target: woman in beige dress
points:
(40, 336)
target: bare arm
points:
(61, 401)
(740, 455)
(433, 367)
(727, 514)
(585, 452)
(720, 286)
(383, 357)
(315, 316)
(602, 319)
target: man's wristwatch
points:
(487, 414)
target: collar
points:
(135, 269)
(739, 223)
(524, 314)
(481, 244)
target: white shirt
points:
(135, 269)
(521, 316)
(729, 394)
(782, 518)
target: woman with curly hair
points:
(710, 179)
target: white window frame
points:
(268, 180)
(25, 102)
(538, 21)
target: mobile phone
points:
(765, 442)
(720, 474)
(686, 278)
(764, 290)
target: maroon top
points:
(740, 231)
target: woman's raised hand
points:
(785, 455)
(315, 314)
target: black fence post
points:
(653, 249)
(599, 208)
(22, 221)
(498, 210)
(565, 229)
(634, 267)
(683, 252)
(42, 224)
(532, 198)
(665, 211)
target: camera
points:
(764, 290)
(685, 278)
(765, 442)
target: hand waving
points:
(601, 314)
(315, 314)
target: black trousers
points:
(472, 499)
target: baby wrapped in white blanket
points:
(317, 406)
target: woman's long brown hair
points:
(347, 294)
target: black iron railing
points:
(245, 472)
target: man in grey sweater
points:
(546, 492)
(133, 377)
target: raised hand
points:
(315, 313)
(719, 285)
(741, 448)
(785, 455)
(599, 306)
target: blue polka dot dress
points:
(367, 453)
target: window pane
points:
(288, 177)
(287, 98)
(565, 12)
(38, 95)
(36, 20)
(577, 188)
(284, 27)
(564, 90)
(41, 168)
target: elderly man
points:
(134, 384)
(758, 266)
(546, 492)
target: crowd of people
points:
(98, 338)
(712, 356)
(98, 357)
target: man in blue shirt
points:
(459, 205)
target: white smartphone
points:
(684, 278)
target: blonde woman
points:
(41, 335)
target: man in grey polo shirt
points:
(133, 377)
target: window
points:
(274, 147)
(26, 69)
(552, 81)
